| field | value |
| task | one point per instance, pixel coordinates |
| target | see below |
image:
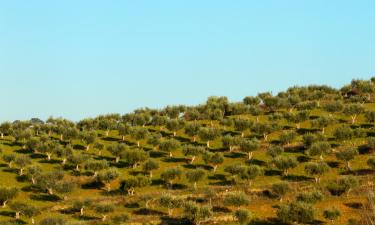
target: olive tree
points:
(139, 134)
(320, 148)
(243, 216)
(353, 110)
(169, 175)
(150, 165)
(81, 204)
(193, 151)
(196, 213)
(132, 183)
(280, 189)
(316, 169)
(169, 145)
(9, 159)
(107, 176)
(22, 161)
(116, 150)
(285, 163)
(213, 159)
(96, 165)
(208, 134)
(192, 130)
(174, 125)
(342, 185)
(88, 137)
(274, 151)
(195, 176)
(331, 214)
(346, 155)
(236, 199)
(104, 209)
(296, 212)
(170, 202)
(7, 194)
(249, 146)
(134, 156)
(230, 142)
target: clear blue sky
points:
(82, 58)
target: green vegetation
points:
(303, 156)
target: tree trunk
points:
(108, 187)
(170, 155)
(50, 191)
(32, 220)
(250, 155)
(33, 180)
(117, 159)
(48, 156)
(61, 137)
(2, 135)
(208, 144)
(5, 203)
(21, 172)
(123, 138)
(87, 147)
(195, 185)
(323, 130)
(104, 217)
(138, 144)
(10, 164)
(63, 161)
(194, 139)
(192, 159)
(242, 134)
(348, 166)
(107, 133)
(265, 136)
(17, 215)
(77, 167)
(215, 168)
(81, 211)
(150, 173)
(354, 117)
(174, 133)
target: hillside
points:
(303, 156)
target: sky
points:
(78, 59)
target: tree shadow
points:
(93, 185)
(235, 155)
(256, 162)
(23, 151)
(221, 209)
(364, 149)
(148, 212)
(272, 172)
(267, 221)
(132, 205)
(294, 149)
(157, 182)
(7, 213)
(175, 160)
(354, 205)
(292, 177)
(217, 176)
(37, 156)
(52, 161)
(303, 158)
(45, 197)
(333, 164)
(359, 172)
(157, 154)
(166, 220)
